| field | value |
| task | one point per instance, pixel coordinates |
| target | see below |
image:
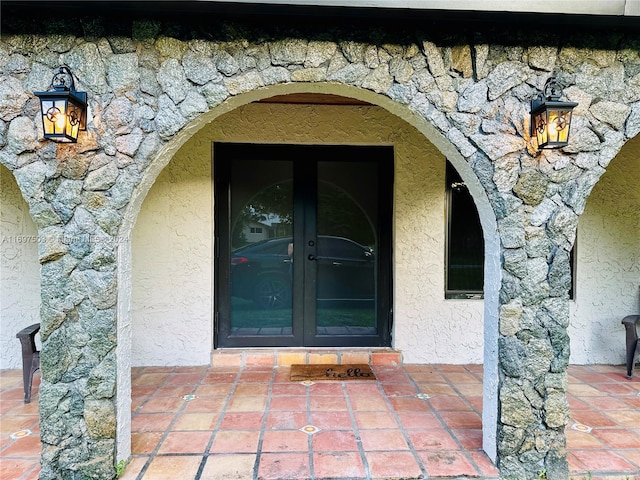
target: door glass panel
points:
(260, 259)
(337, 290)
(347, 208)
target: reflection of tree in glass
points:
(238, 238)
(340, 215)
(271, 207)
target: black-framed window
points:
(464, 269)
(464, 276)
(573, 267)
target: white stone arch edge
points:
(492, 280)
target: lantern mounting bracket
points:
(61, 78)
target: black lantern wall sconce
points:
(63, 110)
(551, 118)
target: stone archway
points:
(492, 270)
(148, 95)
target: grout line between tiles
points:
(310, 437)
(216, 428)
(356, 430)
(164, 433)
(400, 427)
(464, 399)
(263, 426)
(446, 427)
(169, 428)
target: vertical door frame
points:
(304, 331)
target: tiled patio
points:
(415, 421)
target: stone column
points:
(537, 236)
(78, 319)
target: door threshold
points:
(279, 357)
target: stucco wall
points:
(19, 270)
(172, 261)
(172, 266)
(172, 245)
(608, 266)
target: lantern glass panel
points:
(564, 120)
(557, 125)
(73, 121)
(541, 127)
(53, 116)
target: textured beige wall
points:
(172, 266)
(19, 270)
(172, 245)
(172, 261)
(608, 267)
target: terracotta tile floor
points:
(415, 421)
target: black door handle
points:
(312, 257)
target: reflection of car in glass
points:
(262, 271)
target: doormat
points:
(328, 372)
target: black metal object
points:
(305, 293)
(30, 357)
(631, 323)
(63, 109)
(551, 118)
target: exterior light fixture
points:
(63, 110)
(551, 118)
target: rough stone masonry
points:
(147, 85)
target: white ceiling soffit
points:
(575, 7)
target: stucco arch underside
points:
(199, 131)
(486, 210)
(195, 142)
(580, 326)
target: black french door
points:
(303, 245)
